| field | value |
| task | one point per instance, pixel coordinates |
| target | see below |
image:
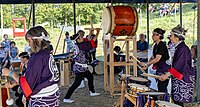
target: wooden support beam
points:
(105, 65)
(109, 41)
(111, 66)
(127, 57)
(1, 105)
(135, 55)
(64, 73)
(131, 98)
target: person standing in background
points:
(142, 51)
(69, 43)
(6, 41)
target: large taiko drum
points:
(120, 20)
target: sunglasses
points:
(155, 34)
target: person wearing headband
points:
(40, 82)
(159, 57)
(183, 74)
(80, 67)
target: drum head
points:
(139, 79)
(138, 86)
(106, 20)
(153, 93)
(166, 104)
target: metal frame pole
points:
(181, 13)
(147, 21)
(198, 53)
(74, 8)
(33, 4)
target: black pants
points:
(162, 85)
(92, 56)
(79, 77)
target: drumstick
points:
(140, 68)
(136, 59)
(91, 22)
(8, 91)
(92, 28)
(9, 101)
(151, 75)
(139, 65)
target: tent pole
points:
(181, 11)
(74, 8)
(33, 4)
(198, 52)
(2, 22)
(147, 21)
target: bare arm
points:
(9, 54)
(155, 60)
(17, 53)
(97, 34)
(6, 72)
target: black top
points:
(161, 49)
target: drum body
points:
(16, 63)
(120, 20)
(4, 97)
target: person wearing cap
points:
(80, 67)
(159, 57)
(183, 74)
(69, 43)
(40, 82)
(3, 55)
(142, 51)
(6, 41)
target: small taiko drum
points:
(165, 104)
(16, 63)
(120, 20)
(122, 77)
(138, 80)
(136, 88)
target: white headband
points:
(178, 34)
(43, 37)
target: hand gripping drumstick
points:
(9, 101)
(138, 65)
(138, 61)
(151, 75)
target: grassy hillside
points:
(167, 23)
